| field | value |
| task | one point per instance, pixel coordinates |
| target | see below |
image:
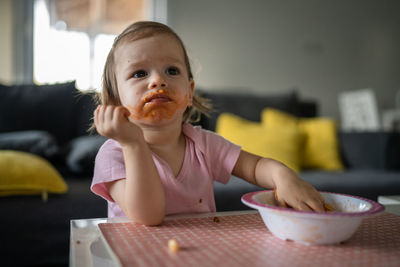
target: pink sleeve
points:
(221, 155)
(109, 166)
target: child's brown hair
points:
(138, 30)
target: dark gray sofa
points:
(371, 159)
(52, 120)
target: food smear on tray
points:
(173, 245)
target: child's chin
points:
(159, 120)
(163, 115)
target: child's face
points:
(153, 82)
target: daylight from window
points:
(61, 55)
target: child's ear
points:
(191, 92)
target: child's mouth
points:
(155, 105)
(158, 97)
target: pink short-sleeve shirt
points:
(208, 158)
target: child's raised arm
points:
(269, 173)
(141, 194)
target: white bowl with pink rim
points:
(313, 228)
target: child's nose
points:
(157, 81)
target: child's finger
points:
(279, 202)
(316, 205)
(320, 197)
(303, 207)
(100, 114)
(108, 113)
(96, 111)
(99, 119)
(127, 113)
(121, 112)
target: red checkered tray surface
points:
(243, 240)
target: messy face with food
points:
(152, 78)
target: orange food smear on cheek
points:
(154, 112)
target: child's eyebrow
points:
(139, 63)
(174, 60)
(133, 65)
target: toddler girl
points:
(155, 163)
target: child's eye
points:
(139, 74)
(172, 71)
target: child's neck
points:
(164, 136)
(167, 141)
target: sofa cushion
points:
(23, 173)
(82, 153)
(37, 142)
(32, 107)
(393, 152)
(363, 183)
(246, 105)
(228, 196)
(281, 145)
(370, 150)
(321, 148)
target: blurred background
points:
(320, 48)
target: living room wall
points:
(321, 47)
(6, 44)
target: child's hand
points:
(113, 122)
(296, 193)
(268, 173)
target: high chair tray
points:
(244, 240)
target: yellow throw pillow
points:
(321, 148)
(278, 119)
(274, 143)
(23, 173)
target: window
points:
(72, 37)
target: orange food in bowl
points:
(328, 207)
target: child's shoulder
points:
(195, 131)
(111, 150)
(202, 137)
(110, 145)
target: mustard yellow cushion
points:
(274, 143)
(23, 173)
(321, 147)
